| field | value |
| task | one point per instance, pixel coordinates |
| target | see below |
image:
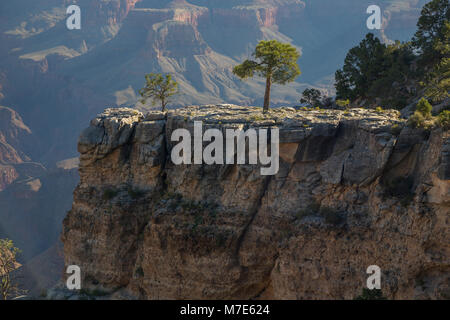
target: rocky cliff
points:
(355, 188)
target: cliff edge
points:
(355, 188)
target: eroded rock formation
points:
(355, 188)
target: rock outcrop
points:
(15, 143)
(355, 188)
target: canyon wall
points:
(355, 188)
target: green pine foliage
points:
(444, 119)
(159, 88)
(373, 70)
(424, 107)
(431, 31)
(422, 117)
(312, 97)
(394, 73)
(274, 61)
(437, 83)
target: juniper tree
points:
(312, 97)
(424, 107)
(275, 61)
(437, 84)
(159, 87)
(432, 30)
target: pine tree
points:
(160, 88)
(275, 61)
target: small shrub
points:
(444, 119)
(374, 294)
(379, 109)
(109, 194)
(343, 103)
(424, 107)
(417, 120)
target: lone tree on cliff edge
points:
(158, 87)
(275, 61)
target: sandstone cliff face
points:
(354, 189)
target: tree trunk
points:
(163, 105)
(267, 94)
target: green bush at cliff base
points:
(424, 107)
(444, 119)
(417, 120)
(422, 117)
